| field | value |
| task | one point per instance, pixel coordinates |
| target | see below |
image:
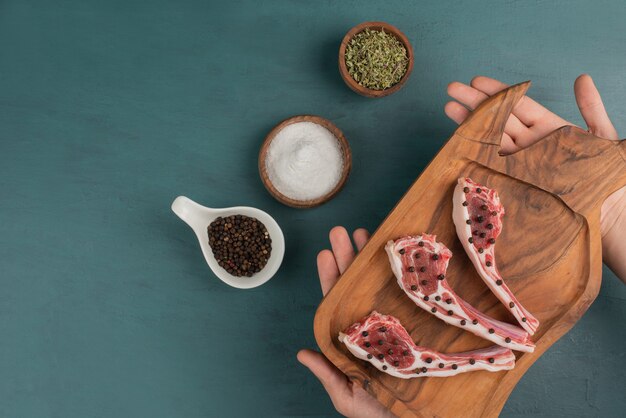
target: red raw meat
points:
(420, 263)
(477, 215)
(383, 341)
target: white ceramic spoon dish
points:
(199, 217)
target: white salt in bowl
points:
(345, 168)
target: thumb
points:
(592, 109)
(333, 380)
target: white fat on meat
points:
(382, 341)
(419, 264)
(482, 208)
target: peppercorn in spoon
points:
(243, 246)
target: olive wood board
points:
(549, 253)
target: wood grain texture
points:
(549, 252)
(343, 69)
(110, 109)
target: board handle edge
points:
(486, 123)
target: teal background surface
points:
(111, 109)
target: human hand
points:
(349, 399)
(530, 121)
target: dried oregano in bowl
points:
(376, 59)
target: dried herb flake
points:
(376, 59)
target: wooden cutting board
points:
(549, 253)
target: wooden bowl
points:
(345, 149)
(343, 70)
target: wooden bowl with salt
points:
(345, 169)
(343, 69)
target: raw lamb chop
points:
(420, 263)
(383, 341)
(477, 215)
